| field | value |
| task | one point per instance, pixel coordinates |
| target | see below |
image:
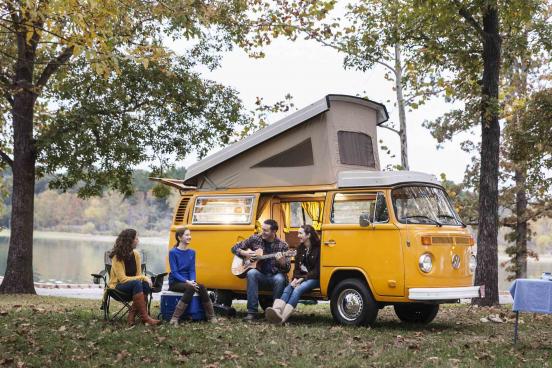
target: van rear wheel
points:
(416, 312)
(223, 297)
(352, 303)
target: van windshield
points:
(423, 205)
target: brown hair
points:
(313, 235)
(178, 235)
(123, 245)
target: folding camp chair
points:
(123, 298)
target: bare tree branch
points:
(391, 129)
(6, 86)
(54, 65)
(469, 18)
(7, 159)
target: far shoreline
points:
(38, 234)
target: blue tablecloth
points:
(532, 295)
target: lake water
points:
(73, 260)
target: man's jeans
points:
(256, 279)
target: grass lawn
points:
(45, 331)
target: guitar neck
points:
(271, 256)
(268, 256)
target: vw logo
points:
(456, 261)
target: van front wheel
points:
(352, 303)
(416, 312)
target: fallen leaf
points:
(6, 361)
(230, 355)
(122, 355)
(62, 328)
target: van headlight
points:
(425, 262)
(473, 263)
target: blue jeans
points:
(134, 287)
(256, 279)
(292, 295)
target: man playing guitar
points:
(269, 272)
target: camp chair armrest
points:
(99, 276)
(157, 280)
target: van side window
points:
(223, 210)
(347, 207)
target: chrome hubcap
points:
(349, 304)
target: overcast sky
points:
(309, 71)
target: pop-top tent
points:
(308, 147)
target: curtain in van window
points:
(263, 204)
(315, 211)
(286, 210)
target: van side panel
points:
(212, 244)
(213, 255)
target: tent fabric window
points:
(355, 149)
(298, 155)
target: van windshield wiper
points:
(452, 218)
(425, 217)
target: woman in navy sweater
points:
(182, 278)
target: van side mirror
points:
(364, 219)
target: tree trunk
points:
(19, 270)
(400, 105)
(521, 224)
(487, 248)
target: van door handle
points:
(329, 243)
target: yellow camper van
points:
(388, 238)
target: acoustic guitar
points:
(240, 266)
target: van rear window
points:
(223, 210)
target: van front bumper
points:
(453, 293)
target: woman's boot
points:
(131, 315)
(288, 310)
(274, 314)
(139, 303)
(209, 311)
(178, 311)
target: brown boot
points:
(209, 311)
(139, 303)
(178, 310)
(131, 316)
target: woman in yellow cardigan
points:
(126, 275)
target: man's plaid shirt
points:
(255, 242)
